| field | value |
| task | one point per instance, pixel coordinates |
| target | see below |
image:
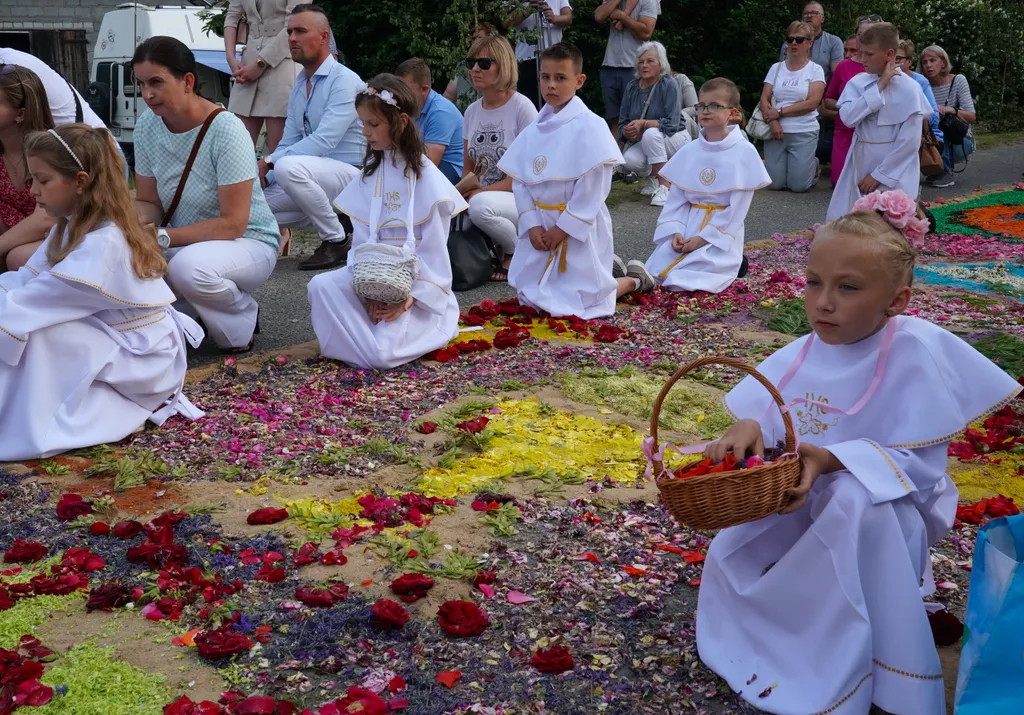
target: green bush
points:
(738, 39)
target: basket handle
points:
(656, 458)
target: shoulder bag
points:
(954, 129)
(757, 127)
(931, 156)
(471, 254)
(643, 113)
(169, 213)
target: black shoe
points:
(942, 181)
(743, 268)
(327, 255)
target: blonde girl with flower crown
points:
(402, 200)
(818, 608)
(90, 347)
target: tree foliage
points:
(738, 39)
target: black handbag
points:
(471, 254)
(954, 129)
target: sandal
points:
(252, 340)
(501, 265)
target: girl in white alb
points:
(818, 609)
(401, 199)
(90, 347)
(561, 168)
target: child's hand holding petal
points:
(743, 438)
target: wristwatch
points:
(261, 63)
(163, 238)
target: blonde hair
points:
(895, 252)
(501, 51)
(908, 47)
(105, 196)
(938, 52)
(801, 26)
(883, 35)
(24, 90)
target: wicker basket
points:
(383, 273)
(715, 501)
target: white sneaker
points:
(660, 196)
(650, 186)
(637, 270)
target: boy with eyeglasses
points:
(886, 110)
(699, 236)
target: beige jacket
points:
(268, 40)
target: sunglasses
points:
(869, 18)
(797, 40)
(485, 63)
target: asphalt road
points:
(284, 314)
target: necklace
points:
(16, 171)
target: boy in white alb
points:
(818, 609)
(699, 236)
(886, 110)
(561, 168)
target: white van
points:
(112, 91)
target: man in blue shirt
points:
(440, 121)
(323, 145)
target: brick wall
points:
(41, 15)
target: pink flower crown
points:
(899, 210)
(383, 95)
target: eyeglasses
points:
(813, 13)
(869, 18)
(902, 58)
(797, 40)
(713, 107)
(485, 63)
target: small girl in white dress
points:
(90, 347)
(401, 199)
(818, 609)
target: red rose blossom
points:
(6, 599)
(555, 659)
(411, 587)
(322, 597)
(33, 693)
(80, 559)
(24, 552)
(169, 518)
(221, 643)
(127, 529)
(99, 528)
(308, 553)
(72, 506)
(462, 619)
(111, 595)
(426, 427)
(388, 615)
(477, 424)
(185, 706)
(268, 515)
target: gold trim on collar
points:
(12, 335)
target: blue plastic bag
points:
(991, 675)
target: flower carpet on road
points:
(470, 533)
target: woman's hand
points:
(776, 128)
(770, 114)
(233, 63)
(743, 438)
(248, 73)
(816, 461)
(635, 129)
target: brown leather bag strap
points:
(169, 214)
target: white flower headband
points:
(899, 210)
(73, 155)
(383, 95)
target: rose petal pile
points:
(411, 587)
(268, 515)
(107, 597)
(555, 659)
(322, 596)
(221, 643)
(24, 552)
(462, 619)
(72, 506)
(986, 509)
(388, 615)
(707, 466)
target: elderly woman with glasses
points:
(650, 120)
(789, 103)
(490, 125)
(953, 98)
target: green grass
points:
(988, 141)
(1006, 351)
(787, 317)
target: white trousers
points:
(214, 280)
(303, 188)
(653, 148)
(494, 213)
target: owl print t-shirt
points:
(489, 132)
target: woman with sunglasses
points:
(789, 102)
(491, 124)
(23, 110)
